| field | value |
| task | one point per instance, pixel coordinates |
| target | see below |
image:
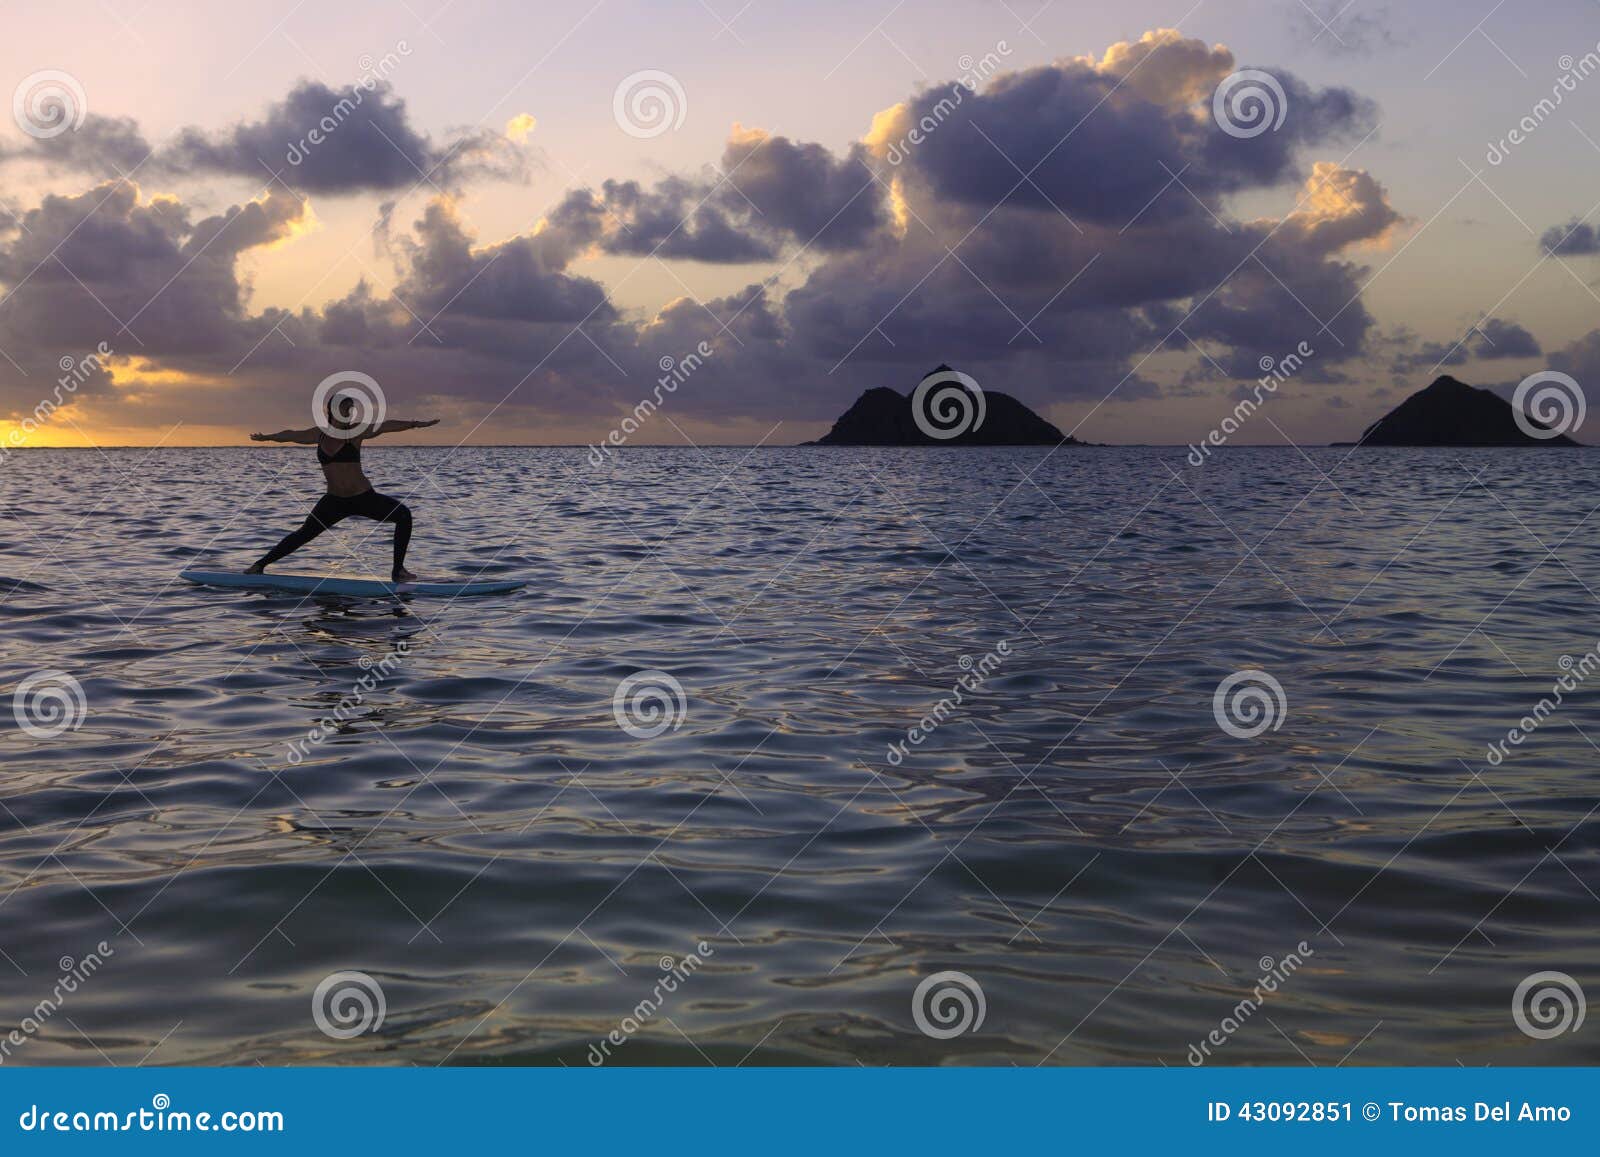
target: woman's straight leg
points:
(323, 515)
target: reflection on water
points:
(265, 790)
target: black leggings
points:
(331, 509)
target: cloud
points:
(1339, 208)
(1336, 28)
(355, 139)
(678, 218)
(802, 191)
(1492, 339)
(1497, 338)
(1574, 239)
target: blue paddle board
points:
(359, 588)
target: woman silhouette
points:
(349, 491)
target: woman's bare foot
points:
(404, 576)
(255, 568)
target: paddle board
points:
(358, 588)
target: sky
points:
(524, 219)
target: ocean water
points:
(1073, 828)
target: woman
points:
(349, 492)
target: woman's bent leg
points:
(323, 515)
(382, 508)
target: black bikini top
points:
(349, 451)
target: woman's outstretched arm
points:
(303, 437)
(395, 425)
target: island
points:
(1451, 413)
(884, 417)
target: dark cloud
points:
(102, 146)
(1497, 338)
(803, 191)
(771, 193)
(1574, 239)
(317, 139)
(1492, 339)
(675, 219)
(1078, 139)
(521, 279)
(324, 140)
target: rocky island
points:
(951, 415)
(1451, 413)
